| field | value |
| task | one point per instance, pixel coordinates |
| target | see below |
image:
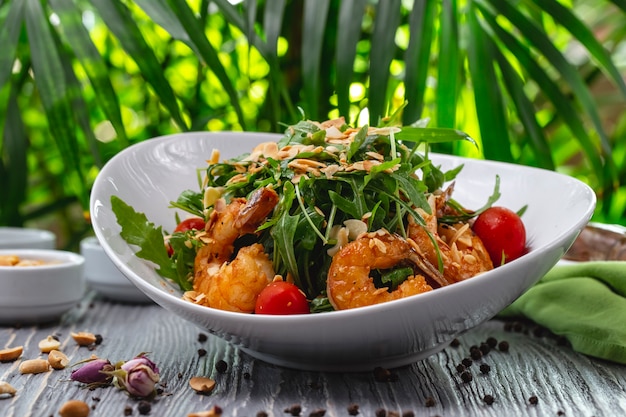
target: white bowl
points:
(105, 278)
(41, 293)
(25, 238)
(151, 174)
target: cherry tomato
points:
(192, 223)
(503, 234)
(280, 298)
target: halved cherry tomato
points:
(503, 234)
(192, 223)
(281, 298)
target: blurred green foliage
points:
(534, 82)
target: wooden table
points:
(538, 376)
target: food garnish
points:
(350, 216)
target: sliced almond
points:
(202, 385)
(49, 344)
(57, 359)
(11, 354)
(84, 338)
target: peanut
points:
(57, 359)
(84, 338)
(49, 344)
(6, 388)
(213, 412)
(74, 408)
(34, 366)
(202, 384)
(11, 354)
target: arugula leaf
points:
(358, 141)
(137, 230)
(432, 135)
(283, 233)
(191, 202)
(395, 277)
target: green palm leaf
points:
(13, 168)
(561, 102)
(47, 64)
(348, 35)
(77, 36)
(526, 112)
(209, 55)
(544, 46)
(314, 26)
(382, 52)
(565, 17)
(487, 95)
(417, 57)
(448, 65)
(9, 39)
(120, 22)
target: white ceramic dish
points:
(105, 278)
(41, 293)
(25, 238)
(151, 174)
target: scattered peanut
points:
(57, 359)
(74, 408)
(11, 354)
(84, 338)
(202, 385)
(213, 412)
(6, 388)
(34, 366)
(49, 344)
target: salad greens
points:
(324, 174)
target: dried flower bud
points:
(94, 371)
(138, 376)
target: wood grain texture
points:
(564, 382)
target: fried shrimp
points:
(350, 284)
(234, 284)
(462, 252)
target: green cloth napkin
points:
(584, 302)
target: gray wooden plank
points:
(564, 382)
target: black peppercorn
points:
(144, 408)
(221, 366)
(484, 368)
(466, 376)
(492, 342)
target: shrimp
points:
(463, 253)
(234, 284)
(349, 284)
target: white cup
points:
(104, 277)
(26, 238)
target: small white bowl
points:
(25, 238)
(40, 293)
(103, 276)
